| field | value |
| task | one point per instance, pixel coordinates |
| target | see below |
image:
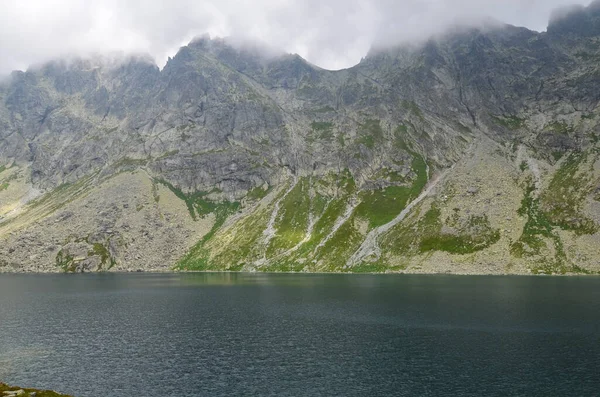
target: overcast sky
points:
(330, 33)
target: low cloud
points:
(332, 34)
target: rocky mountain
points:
(474, 152)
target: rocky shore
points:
(13, 391)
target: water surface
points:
(262, 334)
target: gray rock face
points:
(223, 118)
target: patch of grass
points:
(341, 246)
(65, 261)
(168, 154)
(258, 193)
(2, 168)
(564, 198)
(104, 254)
(557, 155)
(240, 242)
(324, 109)
(390, 176)
(523, 166)
(463, 128)
(321, 131)
(370, 133)
(559, 127)
(4, 186)
(283, 265)
(198, 206)
(129, 162)
(382, 206)
(537, 228)
(400, 131)
(61, 196)
(425, 235)
(292, 219)
(344, 182)
(478, 236)
(513, 123)
(461, 244)
(321, 126)
(413, 108)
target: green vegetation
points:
(168, 154)
(199, 206)
(129, 162)
(321, 126)
(390, 176)
(292, 220)
(321, 131)
(2, 168)
(464, 129)
(227, 249)
(323, 248)
(589, 116)
(258, 193)
(29, 392)
(478, 235)
(557, 155)
(65, 261)
(538, 230)
(513, 123)
(400, 131)
(324, 109)
(68, 264)
(370, 133)
(564, 198)
(523, 166)
(473, 235)
(559, 127)
(62, 195)
(104, 254)
(3, 186)
(413, 108)
(341, 246)
(382, 206)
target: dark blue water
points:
(309, 335)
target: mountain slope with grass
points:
(472, 152)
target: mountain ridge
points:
(227, 160)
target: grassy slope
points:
(315, 205)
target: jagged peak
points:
(240, 45)
(244, 55)
(576, 19)
(488, 28)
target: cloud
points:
(330, 33)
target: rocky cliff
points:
(473, 152)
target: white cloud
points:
(332, 34)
